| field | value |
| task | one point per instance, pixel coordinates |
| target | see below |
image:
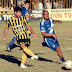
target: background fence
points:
(7, 3)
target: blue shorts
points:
(52, 44)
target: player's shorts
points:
(52, 44)
(24, 41)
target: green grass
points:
(49, 59)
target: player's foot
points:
(44, 44)
(34, 57)
(8, 48)
(23, 66)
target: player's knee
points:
(58, 49)
(22, 46)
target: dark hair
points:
(17, 8)
(26, 2)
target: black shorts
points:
(24, 41)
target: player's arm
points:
(59, 21)
(48, 35)
(30, 29)
(44, 34)
(6, 30)
(27, 16)
(5, 33)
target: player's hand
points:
(34, 36)
(60, 21)
(33, 16)
(3, 39)
(55, 37)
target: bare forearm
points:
(5, 32)
(29, 17)
(30, 29)
(47, 34)
(55, 21)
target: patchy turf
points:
(48, 61)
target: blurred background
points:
(36, 7)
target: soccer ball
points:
(68, 64)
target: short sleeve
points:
(8, 24)
(26, 12)
(42, 28)
(52, 21)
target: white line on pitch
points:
(67, 49)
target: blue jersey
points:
(24, 11)
(47, 26)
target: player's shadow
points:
(43, 59)
(47, 60)
(63, 68)
(14, 46)
(11, 59)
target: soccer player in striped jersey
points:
(18, 24)
(24, 14)
(47, 31)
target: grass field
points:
(48, 62)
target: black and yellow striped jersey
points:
(19, 27)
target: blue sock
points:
(62, 59)
(12, 42)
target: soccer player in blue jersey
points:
(47, 31)
(24, 14)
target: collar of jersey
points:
(25, 7)
(45, 20)
(15, 18)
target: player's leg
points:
(24, 57)
(27, 51)
(44, 44)
(11, 43)
(58, 50)
(54, 45)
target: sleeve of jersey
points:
(25, 22)
(8, 24)
(42, 28)
(26, 12)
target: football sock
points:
(62, 59)
(28, 51)
(23, 58)
(12, 42)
